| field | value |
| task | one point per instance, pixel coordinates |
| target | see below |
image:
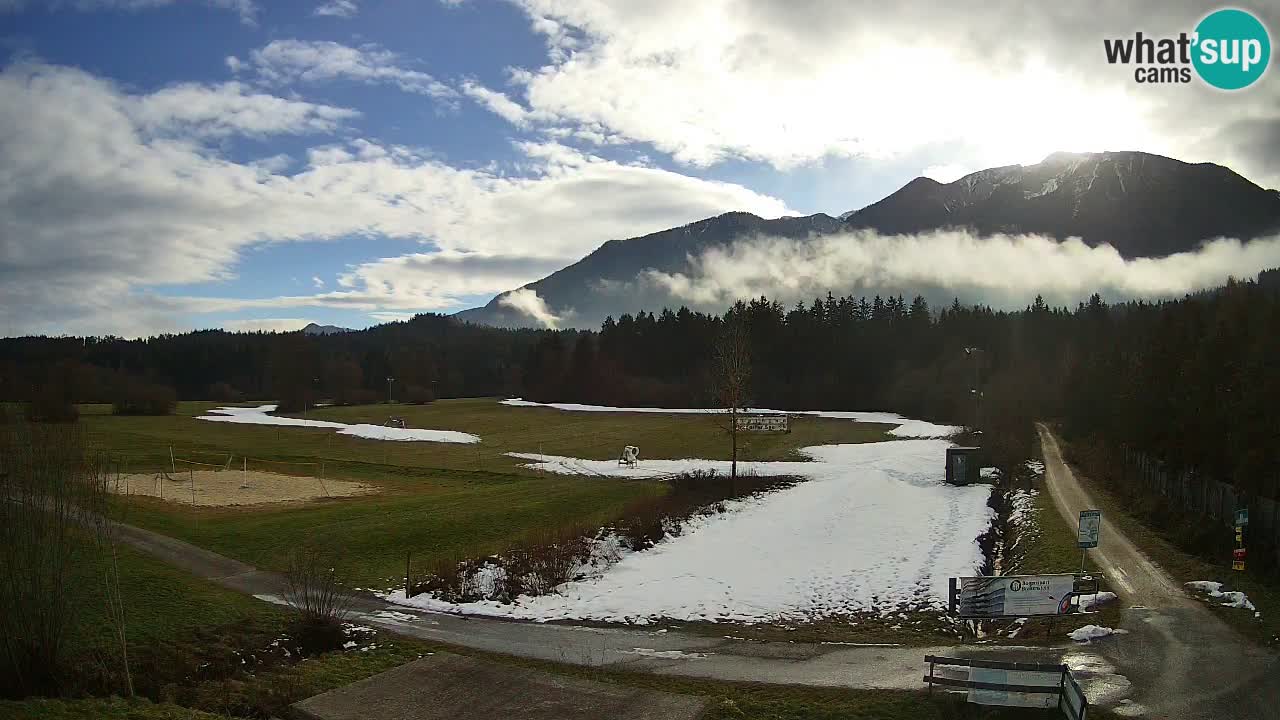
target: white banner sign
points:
(764, 423)
(1015, 595)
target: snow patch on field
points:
(875, 528)
(1230, 598)
(665, 654)
(259, 416)
(906, 427)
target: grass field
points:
(437, 500)
(187, 637)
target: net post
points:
(408, 589)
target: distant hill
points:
(317, 329)
(1144, 205)
(601, 283)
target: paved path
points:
(444, 686)
(1182, 661)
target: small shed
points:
(963, 465)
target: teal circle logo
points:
(1232, 49)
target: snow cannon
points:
(630, 455)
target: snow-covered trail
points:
(906, 427)
(875, 528)
(259, 416)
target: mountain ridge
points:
(1143, 205)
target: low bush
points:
(51, 404)
(416, 395)
(319, 602)
(136, 396)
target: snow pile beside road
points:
(906, 427)
(1093, 632)
(1089, 602)
(1231, 598)
(874, 529)
(259, 416)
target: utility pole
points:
(389, 381)
(974, 352)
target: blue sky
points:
(250, 164)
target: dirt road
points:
(1182, 661)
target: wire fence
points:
(1204, 496)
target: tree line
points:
(1188, 381)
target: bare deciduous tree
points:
(53, 502)
(732, 380)
(321, 604)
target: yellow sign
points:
(1237, 564)
(1239, 535)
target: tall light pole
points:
(389, 381)
(974, 352)
(314, 383)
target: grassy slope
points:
(436, 503)
(1052, 549)
(99, 709)
(192, 622)
(186, 640)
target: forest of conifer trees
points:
(1189, 381)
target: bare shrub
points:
(52, 404)
(224, 392)
(318, 600)
(135, 396)
(52, 498)
(416, 395)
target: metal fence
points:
(1201, 495)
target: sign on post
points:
(1090, 528)
(1014, 596)
(1237, 556)
(764, 423)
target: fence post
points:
(408, 588)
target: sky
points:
(168, 165)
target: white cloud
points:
(99, 208)
(497, 103)
(946, 172)
(1005, 271)
(283, 62)
(527, 302)
(789, 83)
(231, 109)
(337, 8)
(317, 282)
